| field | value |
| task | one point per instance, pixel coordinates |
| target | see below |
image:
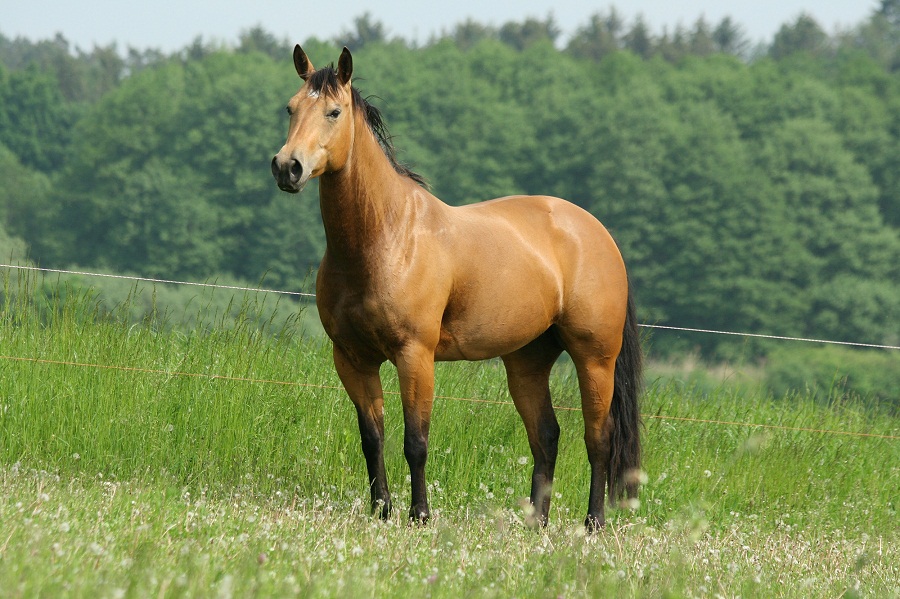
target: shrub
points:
(830, 373)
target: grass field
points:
(137, 460)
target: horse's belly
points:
(491, 335)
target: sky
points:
(170, 25)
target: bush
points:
(830, 373)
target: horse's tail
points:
(625, 439)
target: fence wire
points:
(313, 295)
(250, 380)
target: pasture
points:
(140, 459)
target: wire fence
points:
(313, 295)
(209, 376)
(251, 380)
(151, 280)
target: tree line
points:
(751, 188)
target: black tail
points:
(625, 438)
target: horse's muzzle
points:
(288, 174)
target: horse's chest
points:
(362, 320)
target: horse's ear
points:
(345, 67)
(302, 64)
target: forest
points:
(751, 187)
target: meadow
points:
(141, 459)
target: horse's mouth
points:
(292, 187)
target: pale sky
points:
(170, 25)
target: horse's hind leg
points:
(595, 380)
(528, 374)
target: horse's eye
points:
(334, 113)
(288, 109)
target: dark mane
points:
(325, 81)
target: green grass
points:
(161, 480)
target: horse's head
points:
(321, 126)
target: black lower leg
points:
(544, 452)
(373, 450)
(415, 448)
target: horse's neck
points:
(364, 205)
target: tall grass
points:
(138, 459)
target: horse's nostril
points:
(275, 168)
(296, 170)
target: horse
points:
(409, 279)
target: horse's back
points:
(524, 264)
(539, 216)
(546, 228)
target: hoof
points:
(418, 516)
(534, 518)
(594, 523)
(382, 509)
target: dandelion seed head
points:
(636, 476)
(632, 503)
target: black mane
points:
(325, 81)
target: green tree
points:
(529, 32)
(470, 32)
(638, 39)
(35, 118)
(599, 37)
(673, 47)
(257, 39)
(169, 171)
(13, 250)
(702, 42)
(80, 75)
(288, 241)
(729, 38)
(366, 30)
(453, 116)
(803, 35)
(24, 198)
(886, 20)
(759, 196)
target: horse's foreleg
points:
(528, 376)
(363, 385)
(415, 370)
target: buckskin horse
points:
(410, 279)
